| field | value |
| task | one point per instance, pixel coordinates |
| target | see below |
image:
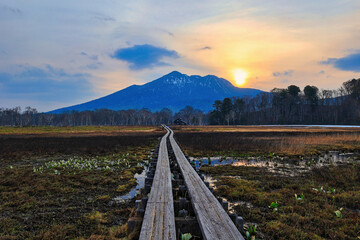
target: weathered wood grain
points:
(159, 218)
(214, 222)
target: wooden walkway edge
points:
(159, 218)
(214, 222)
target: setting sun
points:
(240, 76)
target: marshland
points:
(286, 182)
(191, 120)
(65, 183)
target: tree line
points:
(279, 106)
(292, 106)
(106, 117)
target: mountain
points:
(174, 91)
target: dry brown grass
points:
(222, 140)
(244, 128)
(307, 144)
(313, 217)
(80, 130)
(65, 202)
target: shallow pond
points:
(140, 182)
(277, 164)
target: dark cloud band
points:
(45, 84)
(285, 73)
(348, 63)
(144, 56)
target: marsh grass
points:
(314, 217)
(321, 203)
(72, 196)
(28, 149)
(267, 143)
(78, 129)
(254, 129)
(37, 205)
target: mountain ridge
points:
(173, 90)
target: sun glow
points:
(240, 76)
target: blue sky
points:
(58, 53)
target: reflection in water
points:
(278, 164)
(275, 165)
(140, 180)
(210, 180)
(232, 205)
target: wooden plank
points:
(213, 220)
(159, 218)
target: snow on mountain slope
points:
(174, 91)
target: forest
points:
(289, 105)
(292, 106)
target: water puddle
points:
(210, 180)
(271, 166)
(140, 182)
(243, 204)
(211, 161)
(278, 165)
(232, 205)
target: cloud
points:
(285, 73)
(348, 63)
(92, 57)
(10, 9)
(144, 56)
(94, 66)
(206, 48)
(165, 31)
(104, 18)
(329, 61)
(45, 84)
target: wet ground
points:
(64, 187)
(315, 197)
(140, 182)
(280, 165)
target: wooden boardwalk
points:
(159, 218)
(214, 222)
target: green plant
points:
(274, 206)
(338, 213)
(114, 162)
(186, 236)
(321, 189)
(251, 232)
(300, 197)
